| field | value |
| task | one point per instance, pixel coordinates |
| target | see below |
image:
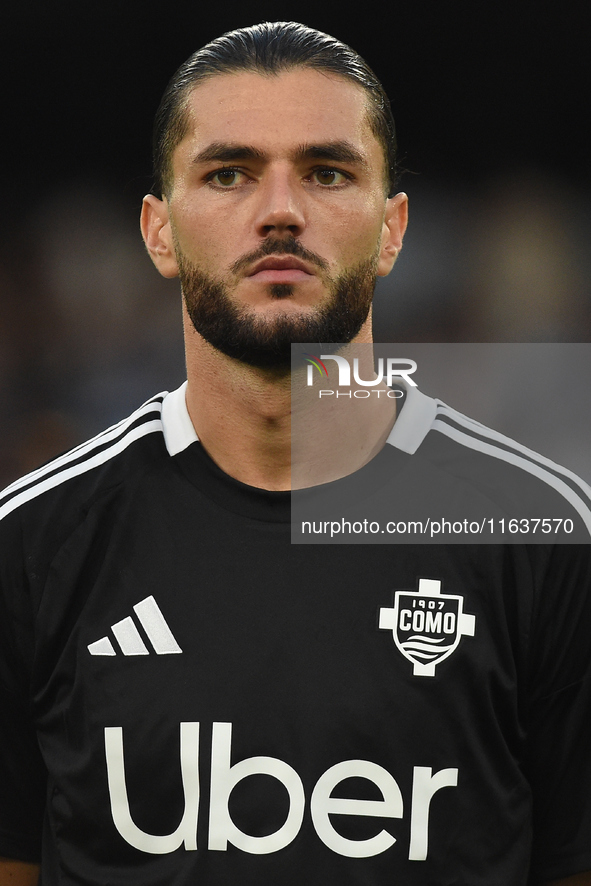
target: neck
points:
(243, 416)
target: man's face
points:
(277, 215)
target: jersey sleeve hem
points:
(20, 847)
(566, 866)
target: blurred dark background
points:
(491, 103)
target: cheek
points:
(199, 239)
(358, 236)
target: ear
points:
(395, 221)
(157, 234)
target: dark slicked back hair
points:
(267, 48)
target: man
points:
(191, 699)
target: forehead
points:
(301, 105)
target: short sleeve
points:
(558, 762)
(22, 773)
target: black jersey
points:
(187, 697)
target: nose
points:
(280, 209)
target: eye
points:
(226, 178)
(327, 176)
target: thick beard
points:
(259, 341)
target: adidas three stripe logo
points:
(129, 638)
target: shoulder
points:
(79, 475)
(520, 481)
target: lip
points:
(280, 269)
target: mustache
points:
(277, 246)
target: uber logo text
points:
(225, 776)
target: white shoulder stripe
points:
(152, 405)
(525, 463)
(75, 470)
(495, 436)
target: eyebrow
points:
(225, 152)
(335, 151)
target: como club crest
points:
(427, 625)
